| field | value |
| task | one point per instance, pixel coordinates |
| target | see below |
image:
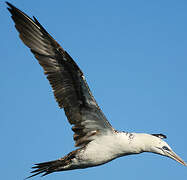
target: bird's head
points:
(159, 146)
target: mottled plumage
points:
(99, 143)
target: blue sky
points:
(134, 56)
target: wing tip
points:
(11, 7)
(9, 4)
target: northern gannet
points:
(97, 140)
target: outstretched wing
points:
(67, 80)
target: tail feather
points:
(46, 168)
(49, 167)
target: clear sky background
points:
(134, 56)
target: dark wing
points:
(67, 80)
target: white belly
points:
(104, 149)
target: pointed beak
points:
(174, 156)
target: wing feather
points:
(67, 80)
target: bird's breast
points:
(104, 149)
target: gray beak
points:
(174, 156)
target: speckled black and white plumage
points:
(67, 80)
(99, 143)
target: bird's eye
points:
(165, 148)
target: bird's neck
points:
(133, 143)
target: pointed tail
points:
(46, 167)
(49, 167)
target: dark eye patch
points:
(165, 148)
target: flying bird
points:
(97, 141)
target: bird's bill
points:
(174, 156)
